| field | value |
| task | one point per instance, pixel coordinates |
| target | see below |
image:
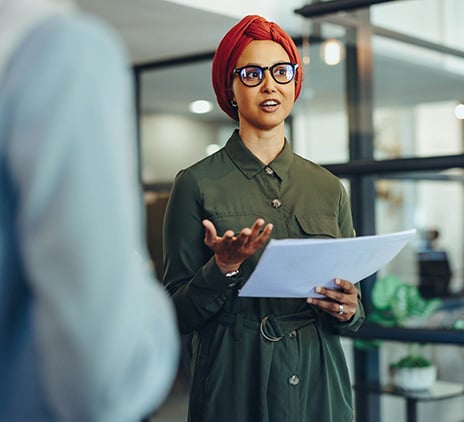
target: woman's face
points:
(267, 105)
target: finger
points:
(264, 236)
(210, 232)
(345, 285)
(257, 227)
(244, 236)
(324, 304)
(228, 238)
(335, 295)
(332, 308)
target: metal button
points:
(268, 171)
(292, 334)
(294, 380)
(276, 203)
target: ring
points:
(340, 309)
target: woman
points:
(257, 359)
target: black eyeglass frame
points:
(239, 70)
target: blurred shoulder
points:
(78, 35)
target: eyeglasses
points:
(282, 73)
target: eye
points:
(251, 73)
(283, 71)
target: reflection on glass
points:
(438, 21)
(172, 136)
(434, 262)
(320, 118)
(415, 102)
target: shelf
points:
(369, 331)
(441, 390)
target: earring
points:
(233, 103)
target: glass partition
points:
(435, 207)
(417, 101)
(320, 117)
(438, 21)
(171, 136)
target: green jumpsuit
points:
(256, 359)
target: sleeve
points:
(345, 222)
(105, 330)
(199, 289)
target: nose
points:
(268, 81)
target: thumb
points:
(210, 231)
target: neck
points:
(265, 145)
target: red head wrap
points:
(230, 48)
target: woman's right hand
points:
(231, 250)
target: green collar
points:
(250, 165)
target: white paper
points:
(294, 267)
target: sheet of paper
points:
(294, 267)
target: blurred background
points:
(382, 106)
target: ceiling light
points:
(459, 111)
(332, 51)
(200, 106)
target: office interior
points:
(382, 106)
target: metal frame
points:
(416, 335)
(397, 166)
(320, 8)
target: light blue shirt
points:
(86, 332)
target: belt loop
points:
(238, 327)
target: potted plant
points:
(413, 371)
(397, 303)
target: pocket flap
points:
(317, 225)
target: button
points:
(294, 380)
(276, 203)
(292, 334)
(268, 171)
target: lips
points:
(269, 104)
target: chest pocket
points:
(234, 223)
(318, 226)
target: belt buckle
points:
(262, 327)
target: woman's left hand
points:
(341, 303)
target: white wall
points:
(171, 143)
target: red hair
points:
(250, 28)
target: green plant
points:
(397, 303)
(413, 359)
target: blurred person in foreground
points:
(258, 359)
(86, 334)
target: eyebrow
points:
(260, 65)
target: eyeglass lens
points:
(282, 73)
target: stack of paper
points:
(294, 267)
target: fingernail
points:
(309, 300)
(337, 281)
(318, 289)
